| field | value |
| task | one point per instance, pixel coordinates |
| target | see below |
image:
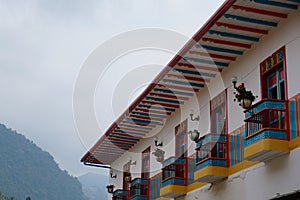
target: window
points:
(146, 164)
(181, 139)
(273, 76)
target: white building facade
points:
(241, 153)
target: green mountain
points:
(28, 171)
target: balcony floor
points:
(211, 174)
(266, 149)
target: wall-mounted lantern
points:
(112, 175)
(110, 188)
(194, 135)
(193, 117)
(157, 143)
(244, 97)
(127, 177)
(159, 154)
(132, 162)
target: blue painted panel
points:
(211, 162)
(148, 114)
(293, 126)
(274, 134)
(244, 141)
(238, 147)
(173, 181)
(232, 150)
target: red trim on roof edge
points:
(200, 33)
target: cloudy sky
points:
(44, 45)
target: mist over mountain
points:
(94, 186)
(28, 171)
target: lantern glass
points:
(245, 103)
(194, 135)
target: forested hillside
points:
(28, 171)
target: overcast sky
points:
(43, 45)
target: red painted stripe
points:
(130, 135)
(259, 11)
(243, 28)
(168, 95)
(131, 129)
(191, 66)
(138, 124)
(122, 140)
(212, 55)
(110, 149)
(146, 118)
(146, 110)
(190, 78)
(182, 88)
(236, 44)
(117, 145)
(159, 103)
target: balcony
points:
(211, 161)
(120, 195)
(266, 129)
(139, 189)
(174, 177)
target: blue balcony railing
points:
(266, 119)
(139, 189)
(120, 195)
(211, 151)
(174, 171)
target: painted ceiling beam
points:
(148, 115)
(165, 105)
(190, 78)
(164, 100)
(228, 43)
(190, 72)
(211, 55)
(132, 133)
(259, 11)
(146, 118)
(210, 62)
(123, 138)
(277, 4)
(135, 127)
(151, 107)
(168, 96)
(242, 28)
(182, 88)
(251, 20)
(130, 129)
(198, 67)
(168, 91)
(147, 110)
(141, 121)
(234, 35)
(224, 50)
(184, 83)
(113, 147)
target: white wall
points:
(259, 182)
